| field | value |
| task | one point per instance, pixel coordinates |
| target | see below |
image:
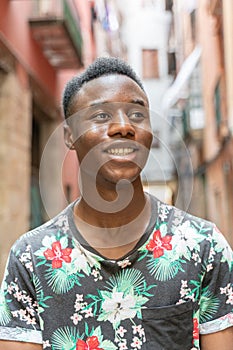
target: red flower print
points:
(92, 343)
(157, 244)
(58, 255)
(195, 329)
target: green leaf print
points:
(98, 333)
(209, 306)
(126, 280)
(61, 281)
(5, 314)
(125, 295)
(65, 339)
(108, 345)
(69, 339)
(201, 227)
(164, 268)
(39, 291)
(119, 306)
(221, 246)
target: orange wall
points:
(16, 34)
(88, 52)
(211, 73)
(70, 164)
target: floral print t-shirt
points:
(176, 284)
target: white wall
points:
(148, 28)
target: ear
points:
(68, 136)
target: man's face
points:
(110, 128)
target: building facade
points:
(145, 28)
(182, 50)
(40, 49)
(202, 98)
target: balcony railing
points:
(55, 26)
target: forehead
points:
(109, 88)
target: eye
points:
(136, 116)
(101, 117)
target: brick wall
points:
(15, 132)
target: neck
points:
(111, 207)
(113, 225)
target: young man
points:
(117, 269)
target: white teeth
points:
(120, 151)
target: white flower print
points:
(79, 297)
(137, 343)
(48, 241)
(76, 318)
(26, 258)
(81, 262)
(124, 263)
(121, 331)
(119, 308)
(138, 329)
(18, 295)
(88, 312)
(196, 258)
(122, 345)
(23, 316)
(184, 239)
(30, 320)
(222, 245)
(211, 254)
(177, 221)
(78, 306)
(96, 274)
(63, 223)
(46, 344)
(164, 211)
(10, 289)
(229, 293)
(29, 266)
(81, 311)
(31, 308)
(209, 267)
(185, 292)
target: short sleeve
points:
(216, 302)
(19, 307)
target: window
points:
(150, 66)
(196, 110)
(168, 5)
(217, 103)
(171, 63)
(193, 24)
(36, 218)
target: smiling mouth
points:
(120, 151)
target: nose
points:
(121, 126)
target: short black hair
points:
(101, 66)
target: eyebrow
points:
(139, 101)
(133, 101)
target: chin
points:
(125, 177)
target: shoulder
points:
(186, 226)
(33, 238)
(176, 217)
